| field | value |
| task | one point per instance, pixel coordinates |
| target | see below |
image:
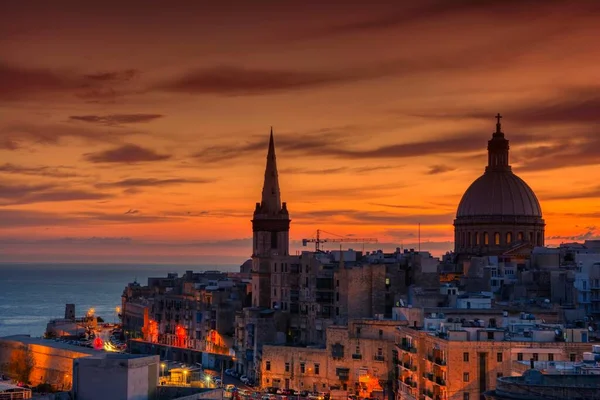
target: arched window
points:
(539, 238)
(477, 242)
(531, 238)
(496, 238)
(469, 239)
(520, 236)
(508, 237)
(486, 239)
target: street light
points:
(185, 372)
(162, 365)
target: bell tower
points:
(270, 227)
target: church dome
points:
(499, 193)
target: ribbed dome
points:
(499, 193)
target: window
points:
(316, 369)
(273, 240)
(465, 396)
(380, 334)
(486, 238)
(302, 368)
(499, 357)
(380, 352)
(287, 367)
(531, 237)
(274, 291)
(337, 311)
(357, 350)
(519, 356)
(539, 238)
(550, 357)
(466, 357)
(490, 335)
(268, 365)
(499, 374)
(469, 239)
(358, 331)
(496, 238)
(337, 296)
(536, 357)
(465, 377)
(337, 283)
(572, 357)
(477, 238)
(274, 267)
(520, 236)
(508, 238)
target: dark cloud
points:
(239, 81)
(354, 217)
(116, 119)
(11, 194)
(590, 234)
(113, 76)
(439, 169)
(150, 182)
(53, 172)
(15, 218)
(18, 82)
(405, 14)
(590, 193)
(16, 136)
(337, 147)
(127, 153)
(329, 171)
(405, 206)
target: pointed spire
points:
(271, 197)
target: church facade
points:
(499, 211)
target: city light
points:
(118, 309)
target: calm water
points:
(32, 294)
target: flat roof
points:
(26, 339)
(9, 386)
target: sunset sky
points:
(137, 131)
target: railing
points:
(440, 361)
(440, 381)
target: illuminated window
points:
(316, 369)
(268, 365)
(469, 239)
(496, 238)
(287, 367)
(486, 238)
(520, 236)
(508, 238)
(477, 239)
(466, 357)
(302, 368)
(465, 377)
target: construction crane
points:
(318, 240)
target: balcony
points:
(440, 361)
(379, 358)
(427, 393)
(440, 381)
(428, 375)
(406, 346)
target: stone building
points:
(461, 361)
(499, 211)
(356, 358)
(270, 244)
(35, 360)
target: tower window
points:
(539, 238)
(520, 236)
(469, 239)
(273, 240)
(477, 241)
(496, 238)
(508, 238)
(531, 237)
(486, 238)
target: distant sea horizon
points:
(31, 294)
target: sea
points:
(33, 294)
